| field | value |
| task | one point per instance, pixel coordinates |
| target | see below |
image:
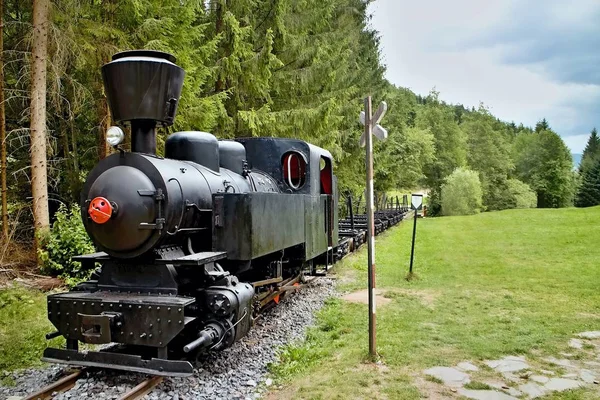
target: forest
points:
(284, 68)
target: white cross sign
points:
(416, 201)
(379, 131)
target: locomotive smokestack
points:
(143, 88)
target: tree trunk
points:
(39, 178)
(4, 192)
(104, 125)
(220, 52)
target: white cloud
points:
(576, 142)
(430, 44)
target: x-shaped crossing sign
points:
(379, 131)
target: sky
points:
(524, 59)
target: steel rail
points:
(62, 385)
(142, 389)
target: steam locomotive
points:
(192, 244)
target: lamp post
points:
(416, 202)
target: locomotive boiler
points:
(192, 244)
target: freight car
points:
(192, 244)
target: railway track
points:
(67, 382)
(351, 238)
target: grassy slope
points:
(503, 283)
(23, 324)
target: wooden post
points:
(370, 229)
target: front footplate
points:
(126, 362)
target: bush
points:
(520, 194)
(461, 193)
(66, 239)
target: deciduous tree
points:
(544, 162)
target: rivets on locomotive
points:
(130, 333)
(93, 304)
(168, 308)
(83, 304)
(179, 309)
(149, 307)
(149, 336)
(143, 335)
(101, 304)
(179, 321)
(140, 307)
(157, 319)
(168, 321)
(158, 308)
(130, 306)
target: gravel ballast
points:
(238, 372)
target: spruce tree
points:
(542, 126)
(591, 153)
(588, 193)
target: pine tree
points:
(39, 188)
(542, 126)
(591, 153)
(245, 61)
(588, 194)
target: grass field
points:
(518, 282)
(23, 324)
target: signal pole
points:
(371, 127)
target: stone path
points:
(516, 377)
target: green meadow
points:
(515, 282)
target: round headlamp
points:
(114, 136)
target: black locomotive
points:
(192, 244)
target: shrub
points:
(461, 193)
(66, 239)
(520, 194)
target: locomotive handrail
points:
(289, 174)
